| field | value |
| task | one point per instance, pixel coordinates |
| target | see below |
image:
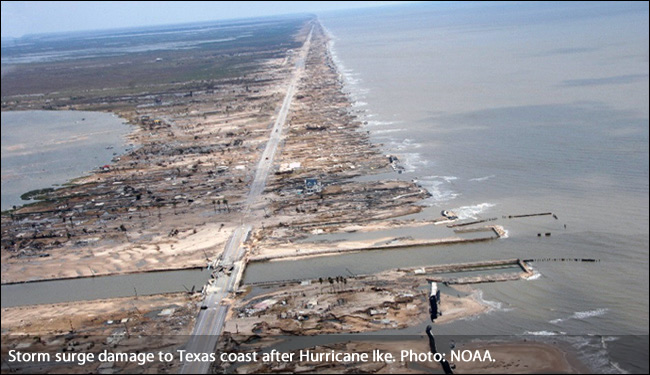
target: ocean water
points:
(45, 148)
(517, 109)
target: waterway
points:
(89, 288)
(43, 149)
(502, 110)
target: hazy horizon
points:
(24, 18)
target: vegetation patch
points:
(38, 194)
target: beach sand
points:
(522, 357)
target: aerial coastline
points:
(263, 164)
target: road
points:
(210, 321)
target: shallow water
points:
(501, 110)
(45, 148)
(90, 288)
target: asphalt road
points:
(210, 321)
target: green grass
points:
(38, 194)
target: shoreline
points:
(189, 268)
(269, 326)
(93, 304)
(123, 144)
(343, 153)
(388, 300)
(84, 257)
(63, 202)
(553, 358)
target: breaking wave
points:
(593, 350)
(544, 333)
(385, 131)
(536, 275)
(405, 144)
(348, 76)
(492, 305)
(472, 212)
(413, 161)
(436, 186)
(445, 178)
(482, 178)
(589, 314)
(375, 123)
(581, 315)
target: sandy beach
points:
(523, 357)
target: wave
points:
(544, 333)
(385, 131)
(357, 93)
(406, 144)
(446, 178)
(581, 315)
(348, 76)
(472, 212)
(589, 314)
(492, 305)
(375, 123)
(618, 367)
(593, 350)
(536, 275)
(350, 80)
(413, 161)
(438, 190)
(482, 178)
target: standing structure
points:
(312, 185)
(434, 300)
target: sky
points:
(35, 17)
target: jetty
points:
(429, 272)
